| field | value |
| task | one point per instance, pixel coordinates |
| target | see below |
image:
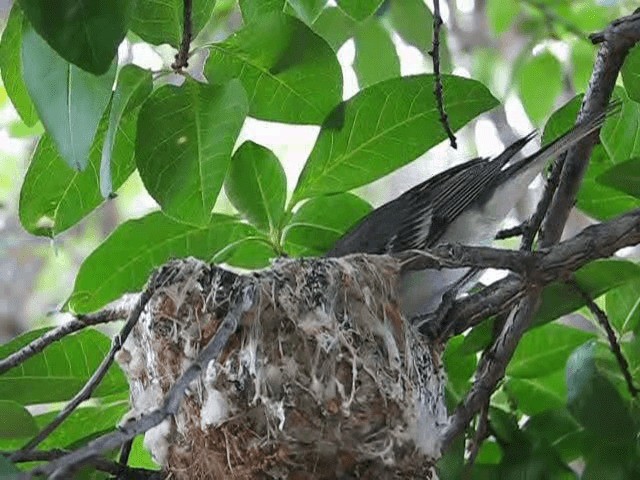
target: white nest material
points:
(323, 379)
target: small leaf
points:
(459, 367)
(17, 422)
(413, 21)
(623, 307)
(588, 391)
(133, 87)
(321, 221)
(620, 133)
(58, 372)
(501, 15)
(383, 128)
(359, 9)
(161, 21)
(545, 350)
(86, 33)
(538, 97)
(70, 101)
(257, 186)
(538, 394)
(290, 73)
(54, 197)
(631, 73)
(595, 278)
(123, 262)
(11, 67)
(334, 26)
(376, 57)
(562, 120)
(183, 148)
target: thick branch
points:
(617, 41)
(39, 344)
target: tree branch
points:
(107, 315)
(63, 466)
(182, 57)
(617, 41)
(437, 87)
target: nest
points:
(323, 379)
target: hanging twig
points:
(437, 88)
(603, 320)
(482, 432)
(182, 57)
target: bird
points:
(465, 204)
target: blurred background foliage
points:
(563, 409)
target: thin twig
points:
(482, 432)
(603, 320)
(97, 377)
(125, 451)
(551, 18)
(512, 232)
(182, 57)
(61, 468)
(39, 344)
(437, 88)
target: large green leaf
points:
(86, 33)
(257, 186)
(459, 368)
(134, 86)
(54, 197)
(161, 21)
(538, 97)
(123, 262)
(620, 133)
(183, 148)
(631, 73)
(334, 26)
(59, 372)
(11, 67)
(560, 430)
(595, 278)
(70, 101)
(624, 176)
(17, 422)
(545, 350)
(321, 221)
(385, 127)
(359, 9)
(535, 395)
(290, 73)
(501, 15)
(376, 57)
(413, 21)
(623, 306)
(588, 392)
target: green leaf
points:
(11, 67)
(562, 120)
(8, 471)
(624, 176)
(183, 148)
(588, 391)
(545, 350)
(320, 222)
(306, 10)
(253, 11)
(562, 432)
(383, 128)
(334, 26)
(161, 21)
(86, 33)
(413, 21)
(123, 262)
(535, 395)
(582, 58)
(70, 101)
(539, 97)
(595, 278)
(59, 372)
(631, 73)
(133, 87)
(359, 9)
(501, 15)
(140, 456)
(620, 133)
(54, 197)
(257, 186)
(290, 73)
(459, 367)
(17, 422)
(623, 307)
(376, 57)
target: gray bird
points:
(465, 204)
